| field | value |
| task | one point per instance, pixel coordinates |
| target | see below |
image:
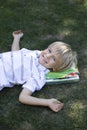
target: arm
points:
(17, 35)
(26, 98)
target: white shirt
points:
(22, 67)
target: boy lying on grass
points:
(29, 67)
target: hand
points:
(55, 105)
(17, 34)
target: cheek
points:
(57, 64)
(52, 64)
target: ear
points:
(54, 69)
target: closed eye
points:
(54, 59)
(49, 50)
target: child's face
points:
(49, 59)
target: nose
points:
(48, 55)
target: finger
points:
(17, 32)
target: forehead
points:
(54, 49)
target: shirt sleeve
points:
(33, 84)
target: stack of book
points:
(68, 76)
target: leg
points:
(17, 36)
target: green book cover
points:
(63, 74)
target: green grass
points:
(43, 22)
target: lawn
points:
(43, 22)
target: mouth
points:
(44, 58)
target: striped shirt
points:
(22, 67)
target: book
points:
(68, 76)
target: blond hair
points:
(67, 55)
